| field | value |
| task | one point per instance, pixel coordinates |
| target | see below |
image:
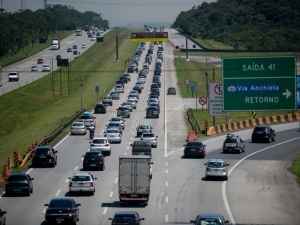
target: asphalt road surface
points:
(259, 189)
(179, 41)
(49, 56)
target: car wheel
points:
(226, 178)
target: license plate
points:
(93, 164)
(59, 220)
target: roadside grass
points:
(212, 44)
(296, 168)
(30, 113)
(30, 50)
(194, 71)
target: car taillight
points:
(91, 184)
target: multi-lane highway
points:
(260, 190)
(179, 41)
(49, 57)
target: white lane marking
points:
(167, 171)
(44, 210)
(104, 211)
(167, 183)
(128, 147)
(111, 194)
(67, 180)
(76, 168)
(167, 164)
(58, 192)
(167, 199)
(224, 195)
(116, 180)
(61, 141)
(166, 129)
(166, 218)
(29, 171)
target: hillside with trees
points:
(23, 28)
(247, 24)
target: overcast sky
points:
(120, 12)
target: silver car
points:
(113, 136)
(100, 144)
(82, 182)
(150, 138)
(78, 128)
(216, 168)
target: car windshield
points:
(16, 178)
(86, 117)
(99, 141)
(215, 164)
(192, 144)
(81, 178)
(60, 203)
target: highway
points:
(49, 56)
(260, 190)
(178, 40)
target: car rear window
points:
(16, 178)
(215, 164)
(260, 129)
(124, 218)
(81, 178)
(99, 141)
(148, 135)
(41, 151)
(60, 203)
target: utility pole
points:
(117, 45)
(81, 94)
(22, 5)
(45, 4)
(186, 49)
(1, 5)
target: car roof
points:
(126, 213)
(63, 199)
(216, 160)
(81, 174)
(97, 138)
(209, 215)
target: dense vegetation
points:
(251, 24)
(27, 27)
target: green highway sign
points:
(259, 83)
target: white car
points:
(82, 182)
(216, 168)
(113, 136)
(150, 138)
(46, 68)
(78, 128)
(34, 68)
(100, 144)
(13, 76)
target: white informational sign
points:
(215, 99)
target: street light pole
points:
(186, 49)
(81, 95)
(117, 45)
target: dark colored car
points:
(2, 217)
(143, 129)
(107, 101)
(138, 88)
(152, 112)
(123, 112)
(132, 69)
(19, 183)
(141, 148)
(210, 218)
(233, 144)
(44, 156)
(194, 149)
(171, 91)
(263, 134)
(62, 210)
(100, 108)
(126, 218)
(93, 161)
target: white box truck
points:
(55, 44)
(134, 178)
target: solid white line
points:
(44, 210)
(111, 194)
(76, 168)
(58, 192)
(104, 211)
(167, 183)
(61, 141)
(29, 171)
(166, 129)
(166, 218)
(224, 195)
(167, 199)
(116, 180)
